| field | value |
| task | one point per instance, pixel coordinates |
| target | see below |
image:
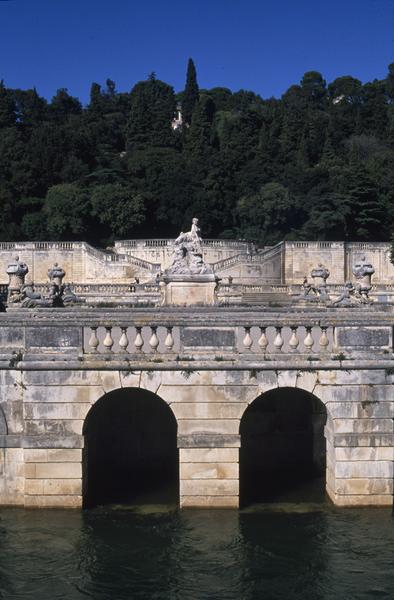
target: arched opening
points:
(283, 448)
(130, 453)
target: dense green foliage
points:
(316, 164)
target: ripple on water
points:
(291, 551)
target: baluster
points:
(108, 341)
(323, 340)
(294, 340)
(169, 341)
(308, 341)
(263, 340)
(138, 342)
(247, 341)
(124, 340)
(154, 340)
(278, 341)
(94, 342)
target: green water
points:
(305, 551)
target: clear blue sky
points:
(260, 45)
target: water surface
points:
(289, 551)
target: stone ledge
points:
(209, 502)
(53, 441)
(207, 440)
(41, 501)
(353, 440)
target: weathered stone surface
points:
(351, 377)
(364, 486)
(363, 337)
(208, 440)
(206, 470)
(209, 501)
(46, 455)
(353, 410)
(204, 426)
(52, 410)
(11, 441)
(371, 440)
(53, 426)
(349, 500)
(363, 453)
(62, 487)
(200, 455)
(69, 394)
(11, 337)
(53, 470)
(355, 393)
(362, 469)
(50, 501)
(207, 487)
(211, 410)
(363, 425)
(187, 394)
(203, 337)
(53, 441)
(53, 337)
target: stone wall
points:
(285, 263)
(339, 257)
(45, 411)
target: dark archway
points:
(130, 453)
(283, 448)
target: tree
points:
(314, 87)
(152, 110)
(268, 215)
(117, 207)
(7, 107)
(66, 210)
(191, 93)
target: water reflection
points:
(319, 552)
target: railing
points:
(40, 245)
(259, 257)
(122, 258)
(227, 262)
(165, 242)
(161, 339)
(312, 245)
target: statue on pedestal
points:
(187, 256)
(189, 280)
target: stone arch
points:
(283, 447)
(130, 451)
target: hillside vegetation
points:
(318, 163)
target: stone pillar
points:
(209, 476)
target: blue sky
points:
(261, 45)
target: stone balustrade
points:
(260, 341)
(206, 335)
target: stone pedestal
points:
(189, 290)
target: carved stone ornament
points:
(187, 256)
(363, 271)
(56, 274)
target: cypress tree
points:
(7, 107)
(191, 93)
